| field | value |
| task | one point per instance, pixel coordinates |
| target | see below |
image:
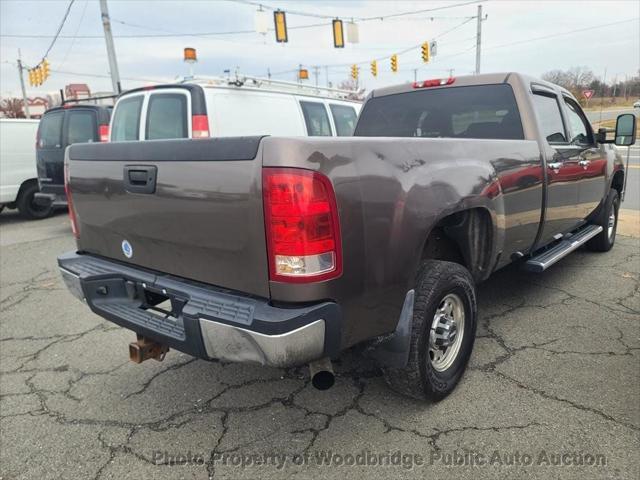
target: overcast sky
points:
(510, 39)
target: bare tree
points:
(12, 108)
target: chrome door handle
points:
(554, 165)
(584, 163)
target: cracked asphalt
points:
(554, 378)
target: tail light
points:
(302, 226)
(104, 133)
(436, 82)
(199, 126)
(72, 211)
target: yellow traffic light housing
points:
(354, 72)
(45, 69)
(374, 68)
(32, 77)
(280, 21)
(338, 34)
(426, 52)
(38, 76)
(394, 63)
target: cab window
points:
(344, 118)
(580, 131)
(167, 116)
(316, 118)
(549, 118)
(50, 132)
(126, 121)
(81, 127)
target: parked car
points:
(60, 127)
(285, 251)
(222, 108)
(18, 177)
(636, 104)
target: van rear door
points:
(50, 151)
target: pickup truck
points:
(287, 251)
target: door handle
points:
(554, 165)
(140, 178)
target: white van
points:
(223, 108)
(18, 175)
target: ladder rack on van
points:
(274, 85)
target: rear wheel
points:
(27, 206)
(608, 220)
(442, 332)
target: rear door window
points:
(344, 119)
(167, 116)
(81, 127)
(50, 131)
(126, 121)
(316, 118)
(549, 117)
(482, 111)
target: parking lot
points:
(554, 378)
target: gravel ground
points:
(554, 378)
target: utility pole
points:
(479, 38)
(316, 72)
(415, 74)
(111, 51)
(24, 92)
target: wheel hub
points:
(447, 330)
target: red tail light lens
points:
(72, 211)
(302, 226)
(199, 126)
(104, 133)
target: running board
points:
(544, 260)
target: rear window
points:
(344, 118)
(50, 131)
(81, 127)
(167, 116)
(126, 122)
(316, 118)
(483, 111)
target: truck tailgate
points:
(203, 219)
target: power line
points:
(64, 19)
(73, 40)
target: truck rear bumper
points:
(203, 321)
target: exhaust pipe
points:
(144, 348)
(321, 372)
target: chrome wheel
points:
(611, 223)
(447, 330)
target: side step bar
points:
(542, 261)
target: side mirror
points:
(625, 130)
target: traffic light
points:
(374, 68)
(32, 77)
(45, 69)
(426, 53)
(280, 21)
(338, 34)
(354, 72)
(394, 63)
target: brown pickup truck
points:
(286, 251)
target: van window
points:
(50, 132)
(549, 118)
(482, 111)
(316, 118)
(167, 116)
(344, 118)
(81, 127)
(126, 122)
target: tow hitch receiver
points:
(144, 348)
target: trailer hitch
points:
(144, 348)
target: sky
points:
(531, 37)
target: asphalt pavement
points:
(552, 390)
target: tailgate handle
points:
(140, 178)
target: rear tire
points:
(26, 205)
(430, 374)
(608, 220)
